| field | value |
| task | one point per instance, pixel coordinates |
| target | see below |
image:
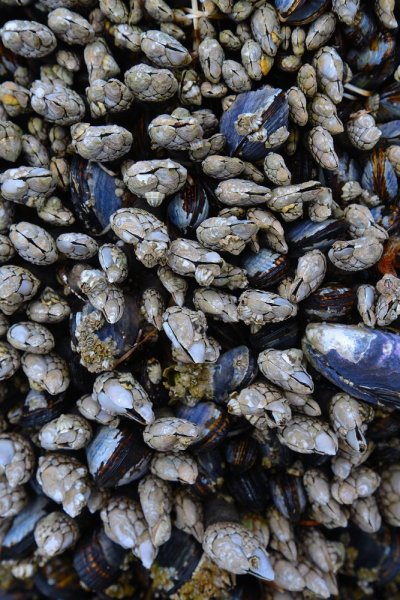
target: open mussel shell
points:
(279, 336)
(308, 235)
(363, 362)
(95, 195)
(379, 176)
(265, 268)
(98, 560)
(58, 580)
(117, 456)
(214, 423)
(189, 207)
(374, 63)
(176, 562)
(273, 107)
(288, 495)
(19, 541)
(332, 303)
(374, 553)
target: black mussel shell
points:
(349, 169)
(389, 103)
(189, 207)
(375, 63)
(274, 116)
(179, 558)
(58, 580)
(379, 176)
(249, 489)
(241, 453)
(333, 302)
(234, 369)
(98, 560)
(19, 542)
(95, 195)
(307, 235)
(116, 454)
(377, 554)
(363, 29)
(307, 12)
(211, 472)
(211, 418)
(286, 7)
(274, 455)
(288, 495)
(265, 268)
(36, 416)
(279, 336)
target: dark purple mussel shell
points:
(363, 362)
(307, 11)
(241, 453)
(265, 268)
(178, 559)
(379, 176)
(213, 421)
(288, 494)
(377, 554)
(250, 488)
(374, 63)
(389, 103)
(307, 235)
(19, 542)
(118, 455)
(349, 169)
(211, 472)
(95, 195)
(98, 560)
(58, 580)
(332, 302)
(279, 336)
(189, 207)
(363, 29)
(275, 114)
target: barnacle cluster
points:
(199, 301)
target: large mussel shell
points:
(362, 30)
(176, 562)
(19, 541)
(375, 63)
(189, 207)
(116, 454)
(376, 554)
(58, 580)
(333, 302)
(363, 362)
(279, 336)
(288, 495)
(265, 268)
(241, 453)
(98, 560)
(379, 176)
(213, 421)
(250, 489)
(95, 195)
(274, 115)
(307, 235)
